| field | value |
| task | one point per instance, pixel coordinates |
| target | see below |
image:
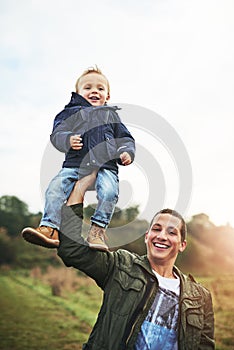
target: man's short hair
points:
(183, 230)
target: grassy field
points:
(223, 295)
(33, 318)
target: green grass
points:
(31, 318)
(222, 291)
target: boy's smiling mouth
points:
(94, 98)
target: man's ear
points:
(146, 235)
(183, 245)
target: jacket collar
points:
(186, 282)
(189, 289)
(144, 262)
(78, 100)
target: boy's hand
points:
(125, 158)
(75, 142)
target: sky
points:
(170, 64)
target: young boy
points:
(94, 140)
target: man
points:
(148, 303)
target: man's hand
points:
(125, 158)
(76, 142)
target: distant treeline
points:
(210, 248)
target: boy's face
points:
(93, 87)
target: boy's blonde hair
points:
(89, 70)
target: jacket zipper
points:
(147, 296)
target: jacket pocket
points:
(195, 320)
(194, 327)
(125, 294)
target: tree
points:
(13, 205)
(119, 217)
(198, 224)
(7, 251)
(14, 215)
(131, 213)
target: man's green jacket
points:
(130, 287)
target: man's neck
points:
(164, 270)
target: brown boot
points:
(44, 236)
(96, 238)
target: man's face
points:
(163, 240)
(93, 87)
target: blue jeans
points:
(61, 186)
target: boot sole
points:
(100, 247)
(37, 238)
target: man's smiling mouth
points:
(162, 246)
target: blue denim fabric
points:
(57, 193)
(107, 188)
(61, 186)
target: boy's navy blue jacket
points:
(104, 136)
